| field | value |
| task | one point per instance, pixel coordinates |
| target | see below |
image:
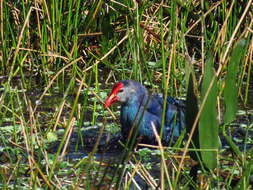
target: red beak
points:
(113, 96)
(110, 100)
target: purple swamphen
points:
(140, 109)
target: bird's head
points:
(125, 91)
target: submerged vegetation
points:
(58, 60)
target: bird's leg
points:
(138, 140)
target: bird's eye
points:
(121, 90)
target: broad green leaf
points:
(231, 82)
(208, 126)
(190, 115)
(231, 92)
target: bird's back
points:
(174, 122)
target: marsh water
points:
(85, 132)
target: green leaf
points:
(231, 82)
(208, 125)
(190, 116)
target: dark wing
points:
(174, 116)
(155, 105)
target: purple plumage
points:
(140, 110)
